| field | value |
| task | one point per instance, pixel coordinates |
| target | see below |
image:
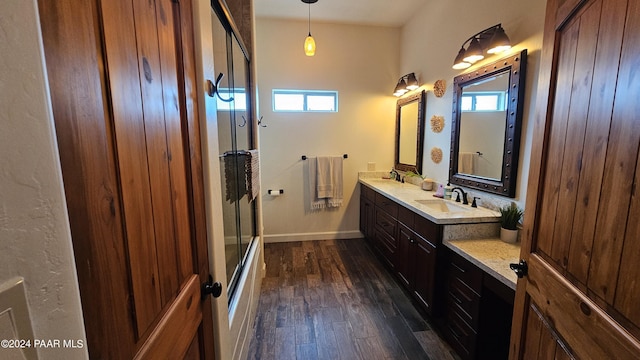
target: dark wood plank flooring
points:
(333, 299)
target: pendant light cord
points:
(309, 19)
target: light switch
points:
(15, 323)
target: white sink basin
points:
(443, 206)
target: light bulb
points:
(309, 46)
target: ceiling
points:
(368, 12)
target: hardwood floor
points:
(333, 299)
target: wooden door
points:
(581, 296)
(122, 80)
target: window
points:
(483, 101)
(305, 101)
(239, 102)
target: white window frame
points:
(501, 100)
(227, 93)
(305, 94)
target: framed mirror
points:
(486, 122)
(410, 132)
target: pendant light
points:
(309, 42)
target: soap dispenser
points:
(447, 192)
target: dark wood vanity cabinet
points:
(416, 260)
(378, 223)
(477, 310)
(405, 241)
(462, 290)
(386, 229)
(472, 309)
(367, 214)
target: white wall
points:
(35, 239)
(430, 42)
(361, 63)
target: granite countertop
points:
(408, 195)
(493, 256)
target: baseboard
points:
(329, 235)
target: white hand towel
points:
(466, 163)
(324, 177)
(316, 204)
(336, 199)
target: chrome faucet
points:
(463, 194)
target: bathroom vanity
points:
(449, 258)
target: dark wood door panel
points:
(596, 139)
(122, 77)
(587, 329)
(89, 171)
(542, 342)
(620, 166)
(571, 147)
(593, 149)
(581, 226)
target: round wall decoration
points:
(436, 155)
(437, 123)
(439, 87)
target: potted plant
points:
(509, 218)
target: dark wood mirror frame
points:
(506, 185)
(421, 99)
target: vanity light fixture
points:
(405, 84)
(309, 42)
(493, 39)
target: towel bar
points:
(239, 152)
(346, 156)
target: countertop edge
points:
(487, 268)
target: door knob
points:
(209, 287)
(521, 269)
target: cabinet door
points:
(363, 218)
(424, 254)
(366, 218)
(405, 260)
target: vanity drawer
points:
(428, 230)
(368, 193)
(462, 337)
(465, 271)
(387, 205)
(406, 216)
(463, 301)
(386, 223)
(386, 246)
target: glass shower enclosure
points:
(235, 140)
